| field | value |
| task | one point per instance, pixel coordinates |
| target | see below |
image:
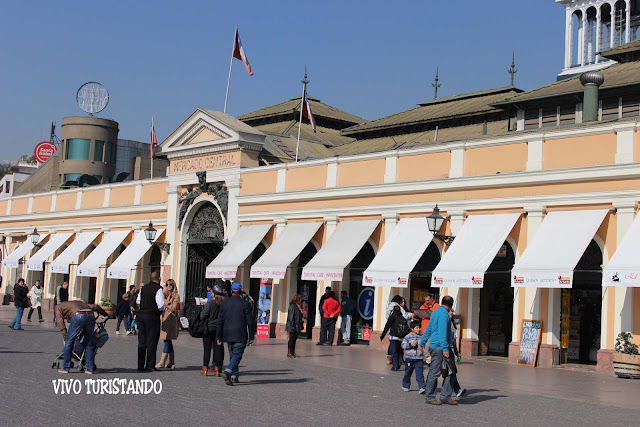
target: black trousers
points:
(210, 345)
(148, 336)
(327, 330)
(293, 337)
(39, 313)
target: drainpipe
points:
(591, 81)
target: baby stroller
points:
(100, 337)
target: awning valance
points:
(473, 250)
(399, 255)
(339, 250)
(98, 257)
(128, 259)
(556, 248)
(624, 267)
(288, 245)
(35, 263)
(62, 262)
(13, 259)
(225, 265)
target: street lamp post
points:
(435, 221)
(150, 234)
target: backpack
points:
(196, 325)
(400, 328)
(101, 336)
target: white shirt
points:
(159, 299)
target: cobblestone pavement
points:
(329, 385)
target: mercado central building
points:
(536, 192)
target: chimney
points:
(591, 81)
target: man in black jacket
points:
(151, 303)
(20, 300)
(235, 327)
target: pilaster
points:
(535, 154)
(625, 144)
(383, 294)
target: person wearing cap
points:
(235, 327)
(122, 311)
(210, 315)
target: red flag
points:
(306, 111)
(238, 52)
(154, 141)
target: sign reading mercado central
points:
(206, 162)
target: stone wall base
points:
(605, 361)
(514, 348)
(469, 347)
(548, 356)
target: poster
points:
(264, 308)
(565, 322)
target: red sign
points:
(366, 334)
(262, 332)
(44, 151)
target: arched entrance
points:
(307, 289)
(358, 291)
(496, 305)
(420, 277)
(205, 237)
(582, 310)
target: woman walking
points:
(210, 315)
(36, 301)
(170, 324)
(295, 323)
(397, 327)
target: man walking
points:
(439, 330)
(235, 327)
(81, 324)
(151, 303)
(20, 301)
(62, 295)
(347, 308)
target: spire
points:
(436, 85)
(305, 81)
(513, 70)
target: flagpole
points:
(302, 106)
(226, 96)
(152, 152)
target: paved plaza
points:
(327, 385)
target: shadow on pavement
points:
(473, 396)
(20, 352)
(272, 372)
(258, 382)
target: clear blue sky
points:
(167, 58)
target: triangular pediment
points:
(204, 133)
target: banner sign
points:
(43, 151)
(264, 308)
(541, 279)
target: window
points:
(78, 149)
(532, 118)
(107, 152)
(71, 177)
(98, 150)
(8, 187)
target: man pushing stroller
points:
(81, 324)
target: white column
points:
(625, 144)
(30, 205)
(281, 182)
(173, 192)
(531, 295)
(383, 294)
(391, 168)
(583, 39)
(568, 38)
(457, 161)
(627, 37)
(623, 320)
(535, 154)
(233, 187)
(332, 175)
(612, 42)
(279, 313)
(455, 223)
(598, 33)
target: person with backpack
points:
(398, 328)
(210, 317)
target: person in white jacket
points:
(36, 300)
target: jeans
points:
(435, 370)
(81, 325)
(129, 320)
(345, 327)
(168, 346)
(409, 366)
(396, 354)
(236, 350)
(16, 322)
(126, 324)
(455, 386)
(31, 312)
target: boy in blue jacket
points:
(413, 358)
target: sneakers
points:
(461, 392)
(10, 327)
(227, 377)
(235, 380)
(63, 371)
(405, 389)
(346, 342)
(422, 391)
(128, 332)
(117, 332)
(41, 320)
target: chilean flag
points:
(153, 141)
(306, 111)
(238, 52)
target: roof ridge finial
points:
(513, 70)
(436, 85)
(305, 80)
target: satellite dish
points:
(92, 97)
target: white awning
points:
(62, 262)
(550, 258)
(98, 257)
(225, 266)
(400, 253)
(273, 264)
(128, 259)
(624, 267)
(473, 250)
(55, 241)
(13, 259)
(339, 250)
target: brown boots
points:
(215, 372)
(167, 361)
(204, 370)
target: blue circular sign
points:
(365, 303)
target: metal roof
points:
(326, 136)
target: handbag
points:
(448, 367)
